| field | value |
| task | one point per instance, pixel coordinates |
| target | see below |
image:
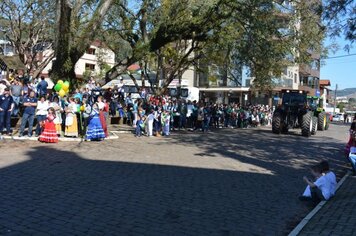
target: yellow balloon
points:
(65, 87)
(82, 108)
(62, 93)
(60, 81)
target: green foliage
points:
(352, 100)
(341, 106)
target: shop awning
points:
(226, 89)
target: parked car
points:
(338, 117)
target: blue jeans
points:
(182, 121)
(138, 128)
(206, 123)
(27, 118)
(39, 119)
(5, 121)
(352, 158)
(15, 111)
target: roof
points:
(324, 82)
(12, 62)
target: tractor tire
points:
(327, 122)
(277, 123)
(315, 125)
(307, 124)
(322, 120)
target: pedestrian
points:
(41, 113)
(42, 87)
(49, 133)
(71, 123)
(319, 189)
(149, 123)
(352, 138)
(103, 111)
(139, 123)
(16, 92)
(58, 115)
(94, 130)
(329, 175)
(166, 119)
(30, 104)
(6, 107)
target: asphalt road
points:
(226, 182)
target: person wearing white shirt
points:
(41, 113)
(320, 189)
(149, 120)
(329, 176)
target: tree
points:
(28, 25)
(77, 26)
(340, 18)
(170, 36)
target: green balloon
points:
(58, 87)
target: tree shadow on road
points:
(58, 192)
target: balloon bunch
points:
(62, 88)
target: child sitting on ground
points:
(329, 175)
(319, 190)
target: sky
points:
(340, 71)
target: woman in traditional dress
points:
(101, 106)
(95, 131)
(49, 133)
(71, 124)
(58, 114)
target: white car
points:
(338, 117)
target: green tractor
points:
(294, 113)
(321, 117)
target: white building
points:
(6, 48)
(92, 60)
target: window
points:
(295, 78)
(91, 51)
(89, 66)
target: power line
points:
(347, 55)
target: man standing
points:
(16, 92)
(6, 107)
(30, 104)
(42, 87)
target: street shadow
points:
(57, 192)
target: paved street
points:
(228, 182)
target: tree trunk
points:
(63, 67)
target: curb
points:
(311, 214)
(114, 136)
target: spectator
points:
(16, 92)
(30, 103)
(49, 134)
(6, 107)
(318, 190)
(42, 87)
(41, 113)
(2, 87)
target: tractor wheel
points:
(277, 123)
(315, 125)
(307, 124)
(322, 121)
(327, 122)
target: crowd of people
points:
(159, 115)
(79, 115)
(85, 113)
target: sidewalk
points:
(337, 216)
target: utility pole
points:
(335, 98)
